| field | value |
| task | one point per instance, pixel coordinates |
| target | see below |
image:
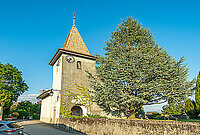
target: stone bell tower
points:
(70, 64)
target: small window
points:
(78, 64)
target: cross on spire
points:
(74, 19)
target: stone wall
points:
(96, 126)
(70, 75)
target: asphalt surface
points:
(40, 128)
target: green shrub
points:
(73, 116)
(87, 116)
(155, 116)
(37, 117)
(94, 116)
(190, 108)
(22, 113)
(15, 114)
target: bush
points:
(73, 116)
(155, 116)
(37, 117)
(95, 116)
(22, 113)
(15, 114)
(88, 116)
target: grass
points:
(189, 120)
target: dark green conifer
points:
(190, 108)
(197, 94)
(135, 71)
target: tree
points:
(135, 71)
(11, 79)
(190, 108)
(197, 94)
(29, 107)
(36, 108)
(25, 105)
(12, 85)
(173, 109)
(22, 114)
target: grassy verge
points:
(189, 120)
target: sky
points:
(31, 31)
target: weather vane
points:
(74, 19)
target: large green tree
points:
(135, 71)
(11, 84)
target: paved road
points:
(38, 128)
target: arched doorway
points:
(77, 111)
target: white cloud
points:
(29, 97)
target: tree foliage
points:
(190, 108)
(173, 109)
(135, 71)
(12, 81)
(29, 107)
(22, 114)
(6, 98)
(12, 85)
(140, 113)
(197, 94)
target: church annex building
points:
(69, 65)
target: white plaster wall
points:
(84, 109)
(46, 109)
(56, 102)
(48, 105)
(57, 75)
(51, 102)
(57, 72)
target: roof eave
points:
(44, 94)
(60, 51)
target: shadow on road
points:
(37, 123)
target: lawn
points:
(189, 120)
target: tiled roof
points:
(75, 43)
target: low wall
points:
(97, 126)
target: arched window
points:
(78, 64)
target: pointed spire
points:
(74, 19)
(74, 41)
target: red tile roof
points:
(75, 43)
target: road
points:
(39, 128)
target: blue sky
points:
(31, 31)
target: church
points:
(70, 64)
